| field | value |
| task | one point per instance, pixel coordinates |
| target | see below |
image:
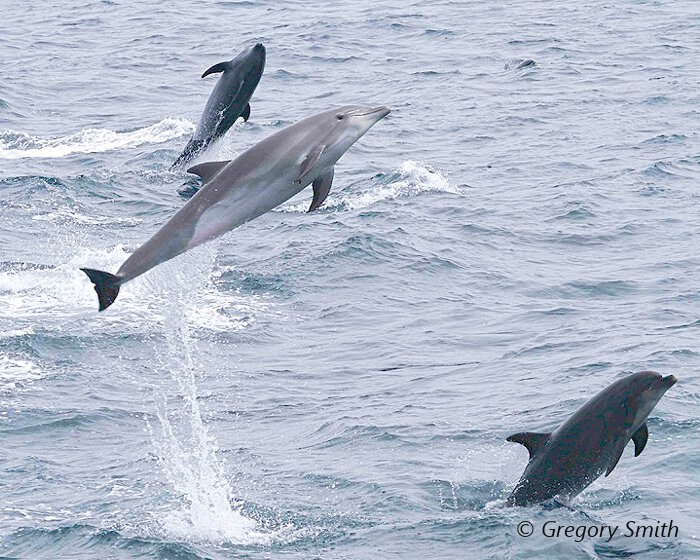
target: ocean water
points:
(518, 233)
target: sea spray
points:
(186, 452)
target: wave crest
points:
(18, 145)
(409, 180)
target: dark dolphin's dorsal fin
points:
(640, 438)
(218, 67)
(322, 186)
(208, 170)
(531, 440)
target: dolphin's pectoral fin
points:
(322, 186)
(246, 113)
(531, 440)
(311, 160)
(218, 67)
(640, 438)
(208, 170)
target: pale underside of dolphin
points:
(563, 463)
(235, 192)
(228, 101)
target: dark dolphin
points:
(228, 101)
(237, 191)
(563, 463)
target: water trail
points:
(409, 180)
(186, 451)
(17, 145)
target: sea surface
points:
(521, 231)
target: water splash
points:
(17, 145)
(409, 180)
(187, 452)
(31, 297)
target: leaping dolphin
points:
(237, 191)
(228, 101)
(563, 463)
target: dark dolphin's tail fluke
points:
(106, 286)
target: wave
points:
(18, 145)
(411, 179)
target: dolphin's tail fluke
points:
(106, 286)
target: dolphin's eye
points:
(340, 116)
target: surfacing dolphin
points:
(235, 192)
(590, 443)
(228, 101)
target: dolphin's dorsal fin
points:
(208, 170)
(531, 440)
(218, 67)
(311, 160)
(322, 186)
(640, 438)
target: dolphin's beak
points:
(376, 112)
(380, 111)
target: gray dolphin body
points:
(563, 463)
(235, 192)
(228, 101)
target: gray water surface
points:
(511, 239)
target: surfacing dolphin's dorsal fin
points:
(208, 170)
(322, 186)
(531, 440)
(640, 438)
(218, 67)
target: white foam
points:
(31, 297)
(409, 180)
(17, 145)
(216, 311)
(16, 332)
(65, 213)
(17, 373)
(413, 179)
